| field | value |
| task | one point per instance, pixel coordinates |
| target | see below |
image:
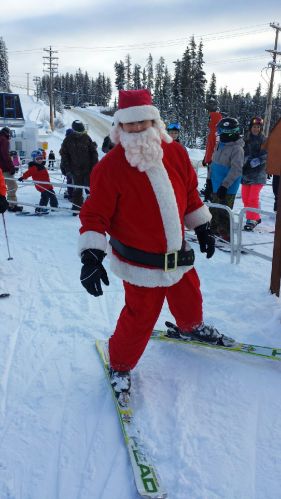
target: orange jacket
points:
(273, 147)
(214, 119)
(3, 188)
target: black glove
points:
(221, 192)
(206, 239)
(208, 190)
(93, 272)
(20, 179)
(204, 162)
(3, 204)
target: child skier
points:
(38, 172)
(51, 158)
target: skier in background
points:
(173, 130)
(51, 159)
(8, 169)
(38, 172)
(226, 172)
(142, 194)
(79, 155)
(254, 171)
(214, 117)
(69, 190)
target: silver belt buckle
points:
(175, 266)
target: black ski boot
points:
(121, 384)
(251, 224)
(202, 333)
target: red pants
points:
(141, 311)
(251, 199)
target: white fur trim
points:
(136, 113)
(91, 240)
(140, 276)
(166, 200)
(197, 217)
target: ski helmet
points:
(256, 121)
(35, 153)
(228, 126)
(174, 126)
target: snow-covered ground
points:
(210, 419)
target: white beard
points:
(143, 149)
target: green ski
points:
(146, 477)
(246, 348)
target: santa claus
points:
(143, 193)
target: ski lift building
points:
(11, 114)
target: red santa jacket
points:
(3, 188)
(38, 172)
(214, 119)
(144, 210)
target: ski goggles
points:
(229, 131)
(173, 126)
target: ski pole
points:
(5, 229)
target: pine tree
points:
(150, 73)
(143, 79)
(4, 68)
(119, 68)
(186, 95)
(137, 77)
(167, 99)
(128, 72)
(158, 97)
(258, 102)
(198, 104)
(176, 93)
(212, 90)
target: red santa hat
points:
(135, 105)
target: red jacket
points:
(214, 119)
(6, 163)
(38, 174)
(144, 210)
(3, 188)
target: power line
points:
(219, 35)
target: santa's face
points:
(136, 126)
(142, 147)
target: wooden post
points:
(276, 261)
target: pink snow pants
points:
(141, 311)
(251, 199)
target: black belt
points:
(167, 261)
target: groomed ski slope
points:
(210, 419)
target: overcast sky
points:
(93, 34)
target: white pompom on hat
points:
(135, 105)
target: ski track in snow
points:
(210, 419)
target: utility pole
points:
(36, 80)
(52, 68)
(27, 86)
(274, 52)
